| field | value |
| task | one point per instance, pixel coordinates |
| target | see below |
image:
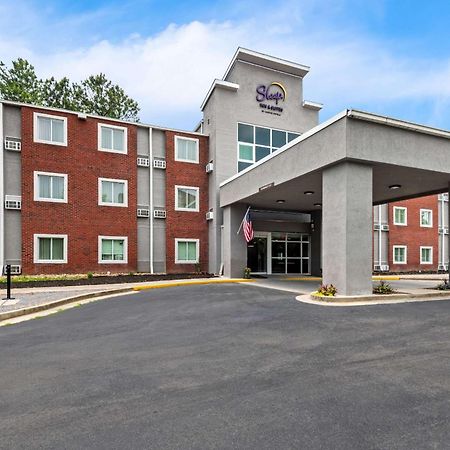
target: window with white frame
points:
(112, 138)
(186, 149)
(112, 192)
(399, 254)
(112, 249)
(255, 143)
(50, 129)
(400, 215)
(426, 218)
(50, 248)
(426, 255)
(186, 198)
(50, 187)
(186, 251)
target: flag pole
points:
(242, 221)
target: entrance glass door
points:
(257, 255)
(290, 253)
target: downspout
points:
(150, 194)
(2, 196)
(379, 236)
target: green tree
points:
(95, 95)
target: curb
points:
(359, 300)
(190, 283)
(45, 306)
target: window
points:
(186, 251)
(255, 143)
(112, 192)
(50, 187)
(50, 248)
(400, 254)
(400, 215)
(112, 250)
(426, 218)
(112, 138)
(50, 129)
(186, 149)
(186, 198)
(426, 255)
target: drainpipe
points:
(150, 194)
(379, 236)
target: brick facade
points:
(186, 224)
(413, 235)
(82, 219)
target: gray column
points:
(316, 244)
(234, 254)
(347, 228)
(448, 225)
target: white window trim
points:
(197, 241)
(406, 216)
(431, 254)
(177, 208)
(109, 150)
(125, 193)
(431, 218)
(177, 138)
(45, 261)
(125, 249)
(393, 254)
(38, 198)
(36, 115)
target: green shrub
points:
(383, 288)
(327, 290)
(90, 275)
(247, 272)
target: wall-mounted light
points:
(395, 186)
(308, 192)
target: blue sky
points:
(389, 57)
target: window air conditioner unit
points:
(384, 268)
(143, 162)
(443, 197)
(15, 269)
(445, 230)
(13, 202)
(210, 215)
(209, 167)
(385, 227)
(441, 267)
(13, 145)
(159, 163)
(376, 226)
(159, 214)
(441, 230)
(377, 268)
(143, 212)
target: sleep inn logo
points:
(271, 97)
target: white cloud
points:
(170, 72)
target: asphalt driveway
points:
(227, 366)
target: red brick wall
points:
(81, 218)
(186, 224)
(413, 235)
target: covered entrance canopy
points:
(336, 172)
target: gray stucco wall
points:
(12, 125)
(225, 109)
(143, 195)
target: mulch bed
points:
(106, 279)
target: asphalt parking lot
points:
(227, 366)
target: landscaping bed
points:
(23, 281)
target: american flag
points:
(247, 226)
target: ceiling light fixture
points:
(308, 192)
(395, 186)
(280, 201)
(317, 204)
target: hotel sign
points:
(271, 97)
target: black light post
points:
(8, 282)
